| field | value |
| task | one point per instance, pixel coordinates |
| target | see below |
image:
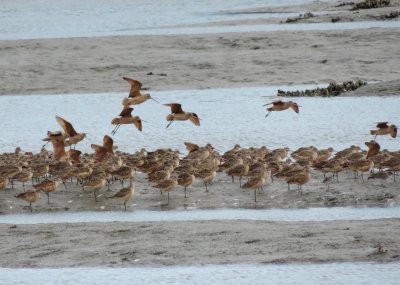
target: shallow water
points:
(331, 273)
(25, 19)
(292, 215)
(228, 116)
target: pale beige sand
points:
(91, 65)
(202, 242)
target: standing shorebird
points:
(125, 117)
(29, 196)
(384, 129)
(135, 97)
(281, 106)
(94, 184)
(125, 193)
(167, 185)
(177, 114)
(47, 186)
(185, 179)
(73, 136)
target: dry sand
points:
(91, 65)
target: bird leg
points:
(267, 114)
(169, 124)
(205, 183)
(48, 197)
(30, 206)
(233, 179)
(255, 195)
(185, 192)
(115, 129)
(240, 181)
(95, 196)
(125, 205)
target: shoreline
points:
(211, 242)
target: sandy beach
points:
(179, 62)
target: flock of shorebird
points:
(165, 169)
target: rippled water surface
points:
(332, 273)
(25, 19)
(311, 214)
(228, 116)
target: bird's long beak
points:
(155, 100)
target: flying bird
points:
(281, 106)
(177, 114)
(125, 117)
(73, 137)
(384, 129)
(135, 97)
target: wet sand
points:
(201, 242)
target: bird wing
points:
(67, 127)
(126, 112)
(191, 146)
(382, 125)
(195, 119)
(108, 142)
(135, 87)
(138, 124)
(295, 107)
(393, 132)
(275, 103)
(175, 108)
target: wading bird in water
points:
(125, 117)
(384, 129)
(135, 97)
(177, 114)
(281, 106)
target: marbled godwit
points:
(40, 170)
(167, 185)
(177, 114)
(59, 150)
(23, 176)
(384, 129)
(362, 165)
(100, 153)
(255, 183)
(48, 186)
(125, 117)
(30, 197)
(300, 179)
(125, 193)
(135, 97)
(122, 173)
(185, 180)
(327, 181)
(373, 148)
(10, 171)
(281, 105)
(206, 175)
(191, 147)
(73, 136)
(94, 184)
(239, 170)
(73, 155)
